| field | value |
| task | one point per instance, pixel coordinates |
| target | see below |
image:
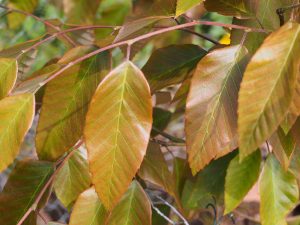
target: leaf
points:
(8, 75)
(236, 8)
(273, 68)
(133, 209)
(16, 116)
(16, 19)
(211, 129)
(65, 103)
(240, 178)
(283, 146)
(22, 188)
(72, 179)
(185, 5)
(88, 210)
(117, 131)
(130, 28)
(278, 193)
(161, 119)
(202, 189)
(154, 169)
(80, 11)
(170, 65)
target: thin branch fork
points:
(46, 23)
(49, 182)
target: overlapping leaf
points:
(117, 131)
(23, 186)
(269, 81)
(155, 170)
(72, 179)
(211, 128)
(8, 75)
(283, 146)
(278, 193)
(237, 8)
(170, 65)
(240, 178)
(133, 209)
(88, 210)
(16, 116)
(65, 103)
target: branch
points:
(147, 36)
(168, 136)
(46, 23)
(280, 12)
(167, 144)
(49, 182)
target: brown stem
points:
(46, 23)
(49, 182)
(147, 36)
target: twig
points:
(198, 34)
(42, 217)
(64, 32)
(46, 23)
(49, 182)
(280, 12)
(147, 36)
(167, 144)
(168, 136)
(174, 210)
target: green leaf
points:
(185, 5)
(16, 19)
(22, 188)
(211, 128)
(16, 116)
(72, 179)
(240, 178)
(161, 119)
(88, 210)
(80, 11)
(283, 146)
(154, 169)
(278, 193)
(170, 65)
(236, 8)
(65, 104)
(272, 69)
(133, 209)
(117, 131)
(8, 75)
(208, 184)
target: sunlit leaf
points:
(80, 11)
(72, 179)
(211, 128)
(65, 103)
(278, 193)
(237, 8)
(283, 146)
(8, 75)
(117, 131)
(88, 210)
(22, 188)
(155, 170)
(273, 69)
(201, 190)
(185, 5)
(240, 178)
(133, 209)
(16, 116)
(170, 65)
